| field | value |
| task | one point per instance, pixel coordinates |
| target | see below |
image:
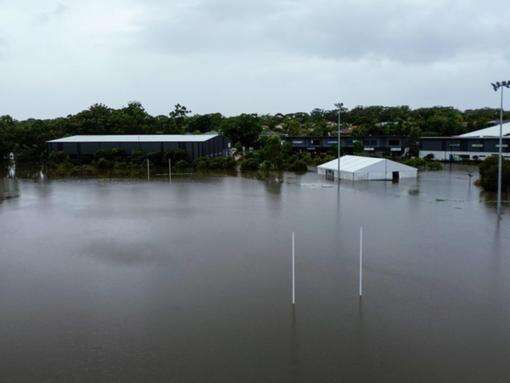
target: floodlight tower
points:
(339, 106)
(496, 86)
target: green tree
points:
(244, 129)
(179, 114)
(272, 152)
(489, 174)
(205, 122)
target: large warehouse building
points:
(476, 145)
(358, 168)
(199, 145)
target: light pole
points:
(339, 106)
(496, 86)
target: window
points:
(394, 142)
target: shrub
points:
(249, 164)
(182, 165)
(299, 166)
(57, 157)
(103, 164)
(202, 163)
(489, 174)
(88, 170)
(229, 163)
(434, 165)
(416, 162)
(138, 156)
(265, 166)
(423, 163)
(63, 169)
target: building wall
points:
(374, 144)
(216, 146)
(318, 143)
(441, 155)
(457, 149)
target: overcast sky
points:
(266, 56)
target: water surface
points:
(188, 281)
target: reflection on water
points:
(8, 188)
(188, 281)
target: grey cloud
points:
(3, 47)
(400, 31)
(45, 17)
(236, 56)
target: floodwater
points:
(188, 281)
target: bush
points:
(416, 162)
(138, 156)
(57, 157)
(202, 163)
(299, 166)
(103, 164)
(229, 163)
(489, 174)
(216, 163)
(249, 164)
(88, 170)
(265, 166)
(182, 165)
(434, 165)
(63, 169)
(423, 163)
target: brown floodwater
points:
(188, 281)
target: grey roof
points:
(492, 131)
(138, 138)
(350, 163)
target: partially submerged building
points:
(476, 145)
(195, 145)
(357, 168)
(396, 146)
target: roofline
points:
(120, 136)
(462, 138)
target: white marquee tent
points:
(358, 168)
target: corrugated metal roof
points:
(492, 131)
(138, 138)
(356, 163)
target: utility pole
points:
(496, 86)
(339, 106)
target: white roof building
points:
(358, 168)
(492, 131)
(137, 138)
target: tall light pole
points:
(496, 86)
(339, 106)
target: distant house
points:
(208, 145)
(476, 145)
(357, 168)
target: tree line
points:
(27, 138)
